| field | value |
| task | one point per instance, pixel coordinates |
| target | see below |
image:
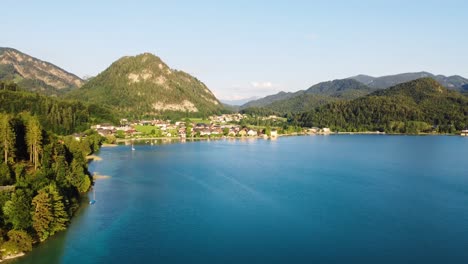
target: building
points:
(273, 133)
(251, 133)
(242, 133)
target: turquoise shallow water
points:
(323, 199)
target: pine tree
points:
(7, 137)
(17, 209)
(42, 214)
(34, 140)
(60, 215)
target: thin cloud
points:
(248, 90)
(262, 85)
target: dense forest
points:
(56, 115)
(418, 106)
(41, 178)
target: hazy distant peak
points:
(454, 82)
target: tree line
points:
(54, 114)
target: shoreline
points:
(10, 257)
(126, 140)
(93, 158)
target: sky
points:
(241, 49)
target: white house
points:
(273, 133)
(251, 133)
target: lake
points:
(309, 199)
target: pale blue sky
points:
(246, 48)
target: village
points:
(219, 126)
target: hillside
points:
(421, 105)
(57, 115)
(454, 82)
(144, 85)
(35, 75)
(267, 100)
(317, 95)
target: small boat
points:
(93, 201)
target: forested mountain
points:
(331, 91)
(56, 115)
(32, 74)
(317, 95)
(421, 105)
(454, 82)
(144, 85)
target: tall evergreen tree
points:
(17, 210)
(42, 214)
(34, 140)
(60, 215)
(7, 137)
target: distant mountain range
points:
(144, 85)
(317, 95)
(421, 105)
(238, 102)
(454, 82)
(35, 75)
(346, 89)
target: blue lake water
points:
(311, 199)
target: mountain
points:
(454, 82)
(238, 102)
(144, 85)
(420, 105)
(317, 95)
(362, 78)
(35, 75)
(268, 100)
(345, 88)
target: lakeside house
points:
(313, 130)
(464, 133)
(326, 130)
(274, 133)
(251, 133)
(242, 133)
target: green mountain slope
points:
(32, 74)
(320, 94)
(144, 85)
(261, 102)
(417, 106)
